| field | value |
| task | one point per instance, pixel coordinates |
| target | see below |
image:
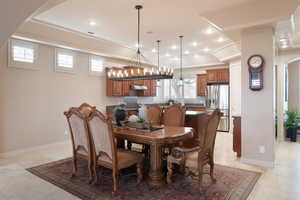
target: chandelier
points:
(137, 71)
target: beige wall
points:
(32, 102)
(294, 86)
(258, 133)
(13, 13)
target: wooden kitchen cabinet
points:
(201, 84)
(148, 84)
(153, 88)
(117, 88)
(126, 88)
(218, 76)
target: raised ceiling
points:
(116, 20)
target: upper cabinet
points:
(124, 88)
(218, 76)
(201, 84)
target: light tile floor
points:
(279, 183)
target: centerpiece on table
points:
(136, 122)
(119, 114)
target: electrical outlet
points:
(262, 149)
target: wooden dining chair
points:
(154, 114)
(80, 139)
(174, 115)
(105, 152)
(85, 109)
(205, 150)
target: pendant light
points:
(180, 78)
(137, 71)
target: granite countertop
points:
(162, 105)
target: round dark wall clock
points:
(255, 66)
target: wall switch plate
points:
(262, 149)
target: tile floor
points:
(279, 183)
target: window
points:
(65, 60)
(96, 65)
(190, 88)
(22, 54)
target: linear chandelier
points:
(137, 71)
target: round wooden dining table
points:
(156, 139)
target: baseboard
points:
(258, 162)
(25, 150)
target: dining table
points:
(156, 139)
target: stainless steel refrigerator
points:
(218, 97)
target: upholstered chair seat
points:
(125, 159)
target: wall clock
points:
(255, 66)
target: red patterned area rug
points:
(232, 184)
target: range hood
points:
(139, 87)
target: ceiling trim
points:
(109, 56)
(86, 35)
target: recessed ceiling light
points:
(153, 50)
(92, 23)
(168, 55)
(195, 44)
(206, 49)
(220, 39)
(186, 52)
(174, 47)
(209, 30)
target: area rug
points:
(232, 184)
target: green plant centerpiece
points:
(119, 114)
(291, 124)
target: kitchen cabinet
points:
(218, 76)
(123, 88)
(153, 87)
(114, 88)
(126, 87)
(148, 84)
(201, 84)
(117, 88)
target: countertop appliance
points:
(218, 97)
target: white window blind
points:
(65, 60)
(96, 64)
(23, 54)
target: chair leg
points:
(182, 165)
(91, 172)
(200, 175)
(74, 166)
(139, 171)
(170, 171)
(115, 182)
(95, 174)
(211, 172)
